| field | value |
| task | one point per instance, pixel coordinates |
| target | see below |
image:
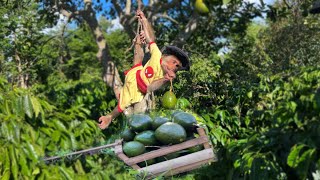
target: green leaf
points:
(47, 107)
(249, 94)
(27, 105)
(5, 131)
(7, 160)
(23, 164)
(225, 2)
(36, 171)
(19, 106)
(73, 141)
(6, 175)
(293, 157)
(47, 131)
(32, 153)
(36, 106)
(79, 168)
(55, 136)
(60, 126)
(183, 103)
(304, 163)
(13, 160)
(67, 173)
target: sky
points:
(117, 25)
(257, 1)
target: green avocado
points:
(186, 120)
(127, 135)
(170, 133)
(146, 137)
(158, 121)
(133, 148)
(140, 122)
(175, 112)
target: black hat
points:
(180, 54)
(315, 8)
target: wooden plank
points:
(179, 162)
(181, 169)
(202, 133)
(134, 166)
(118, 151)
(166, 150)
(188, 167)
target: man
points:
(160, 68)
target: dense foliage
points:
(258, 96)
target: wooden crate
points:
(174, 166)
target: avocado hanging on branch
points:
(169, 99)
(201, 7)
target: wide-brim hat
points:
(315, 9)
(180, 54)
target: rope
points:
(171, 86)
(139, 28)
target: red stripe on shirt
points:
(141, 85)
(118, 106)
(151, 43)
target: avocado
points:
(158, 121)
(140, 122)
(169, 100)
(175, 112)
(127, 135)
(170, 133)
(185, 119)
(133, 148)
(146, 137)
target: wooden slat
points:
(178, 163)
(202, 133)
(118, 151)
(188, 167)
(166, 150)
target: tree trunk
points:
(110, 72)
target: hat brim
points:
(180, 54)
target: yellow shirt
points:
(139, 77)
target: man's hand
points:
(170, 75)
(140, 14)
(148, 30)
(104, 121)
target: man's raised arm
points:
(148, 30)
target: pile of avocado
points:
(146, 133)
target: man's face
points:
(172, 63)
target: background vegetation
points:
(254, 83)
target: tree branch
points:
(128, 7)
(164, 15)
(188, 30)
